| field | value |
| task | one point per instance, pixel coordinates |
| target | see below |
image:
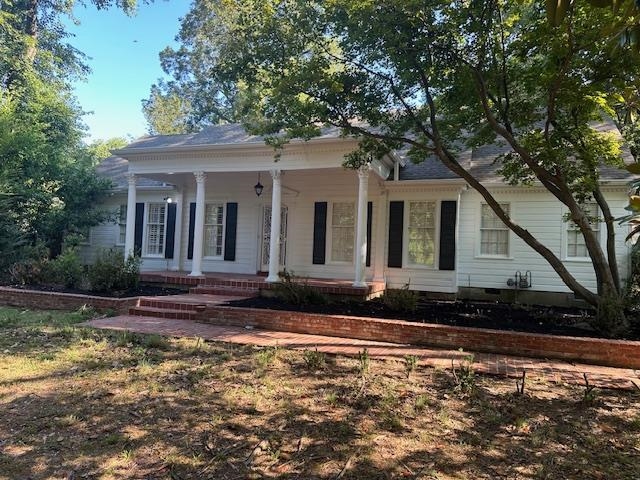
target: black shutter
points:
(396, 227)
(171, 230)
(319, 233)
(369, 218)
(230, 228)
(447, 257)
(192, 226)
(137, 235)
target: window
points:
(156, 228)
(421, 236)
(122, 224)
(576, 247)
(213, 218)
(343, 221)
(494, 235)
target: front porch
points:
(241, 284)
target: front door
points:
(266, 236)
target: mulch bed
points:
(491, 315)
(142, 290)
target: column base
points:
(360, 284)
(196, 274)
(272, 279)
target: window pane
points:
(575, 240)
(155, 228)
(421, 233)
(342, 232)
(494, 235)
(213, 229)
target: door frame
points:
(284, 225)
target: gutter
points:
(221, 147)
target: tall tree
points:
(434, 75)
(167, 111)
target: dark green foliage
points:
(294, 291)
(66, 270)
(401, 300)
(110, 272)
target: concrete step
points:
(163, 313)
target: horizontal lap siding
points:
(423, 279)
(224, 188)
(542, 215)
(336, 185)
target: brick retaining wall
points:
(614, 353)
(34, 299)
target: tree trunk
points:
(569, 280)
(31, 30)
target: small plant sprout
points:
(464, 376)
(313, 359)
(590, 393)
(363, 362)
(520, 383)
(410, 364)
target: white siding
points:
(103, 236)
(542, 215)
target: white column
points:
(177, 249)
(129, 239)
(198, 231)
(274, 236)
(361, 229)
(380, 237)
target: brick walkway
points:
(492, 364)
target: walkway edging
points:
(612, 353)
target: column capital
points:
(200, 177)
(131, 179)
(363, 171)
(275, 174)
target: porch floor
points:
(258, 282)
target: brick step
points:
(232, 283)
(169, 303)
(163, 313)
(224, 290)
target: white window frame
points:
(204, 230)
(122, 222)
(480, 254)
(567, 226)
(330, 227)
(436, 233)
(147, 209)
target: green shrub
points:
(28, 270)
(401, 300)
(292, 290)
(66, 269)
(111, 272)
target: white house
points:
(189, 203)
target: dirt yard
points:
(79, 403)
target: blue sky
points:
(124, 61)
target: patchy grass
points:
(82, 403)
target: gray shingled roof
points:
(116, 168)
(429, 169)
(485, 167)
(481, 161)
(231, 134)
